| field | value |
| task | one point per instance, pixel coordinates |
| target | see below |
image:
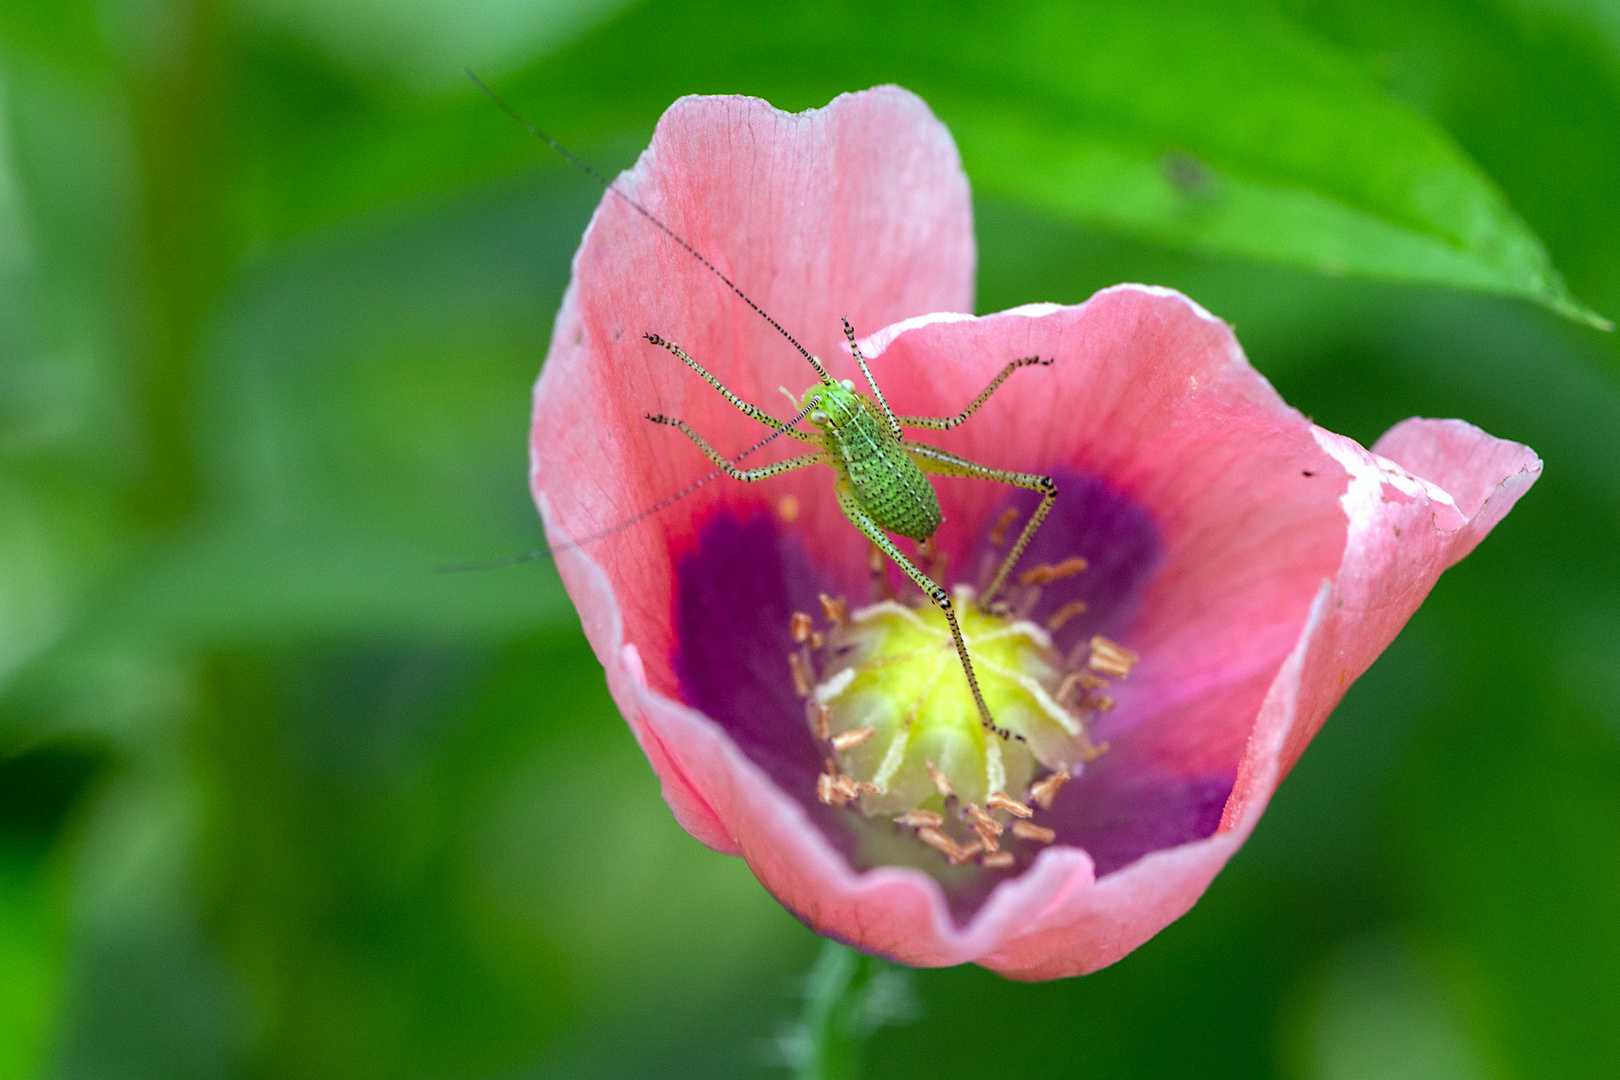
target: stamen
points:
(1075, 564)
(878, 564)
(1055, 621)
(1048, 572)
(982, 818)
(787, 508)
(1085, 680)
(998, 860)
(834, 611)
(1046, 790)
(820, 717)
(802, 682)
(849, 740)
(1000, 609)
(955, 853)
(1027, 830)
(834, 788)
(1111, 658)
(1066, 687)
(920, 819)
(929, 552)
(998, 535)
(1000, 800)
(941, 784)
(799, 627)
(986, 826)
(817, 640)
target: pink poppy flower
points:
(1256, 563)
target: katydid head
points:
(831, 404)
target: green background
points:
(278, 801)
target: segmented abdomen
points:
(888, 484)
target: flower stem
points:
(849, 996)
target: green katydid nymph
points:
(881, 476)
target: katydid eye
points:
(818, 417)
(848, 384)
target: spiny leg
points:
(753, 411)
(945, 423)
(745, 475)
(862, 521)
(932, 459)
(894, 422)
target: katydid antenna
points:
(650, 216)
(586, 541)
(584, 167)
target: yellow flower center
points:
(894, 669)
(904, 737)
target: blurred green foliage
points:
(276, 800)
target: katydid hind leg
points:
(940, 598)
(934, 460)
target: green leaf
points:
(1231, 131)
(1227, 129)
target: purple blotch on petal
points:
(735, 595)
(1120, 810)
(1117, 537)
(738, 588)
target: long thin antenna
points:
(586, 541)
(649, 215)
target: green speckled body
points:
(873, 466)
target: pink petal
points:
(1461, 459)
